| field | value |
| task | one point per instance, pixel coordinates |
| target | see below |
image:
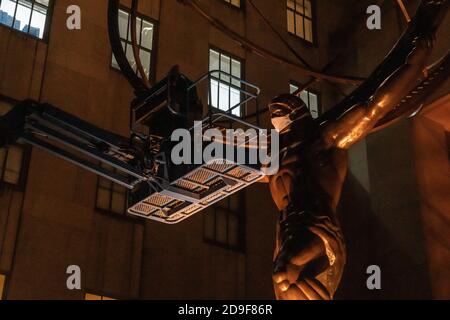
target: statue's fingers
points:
(311, 251)
(293, 271)
(294, 293)
(318, 287)
(309, 291)
(279, 277)
(315, 268)
(282, 260)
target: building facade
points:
(54, 215)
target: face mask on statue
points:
(281, 123)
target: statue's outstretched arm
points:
(359, 121)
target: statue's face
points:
(281, 123)
(287, 110)
(280, 113)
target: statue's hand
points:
(305, 268)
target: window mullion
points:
(111, 191)
(15, 13)
(31, 15)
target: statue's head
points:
(287, 110)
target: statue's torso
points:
(310, 176)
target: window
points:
(310, 99)
(94, 297)
(299, 19)
(225, 90)
(111, 197)
(236, 3)
(2, 285)
(12, 159)
(145, 39)
(225, 225)
(28, 16)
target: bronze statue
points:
(310, 253)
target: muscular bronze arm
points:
(359, 121)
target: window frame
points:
(47, 27)
(242, 226)
(153, 51)
(124, 216)
(314, 24)
(5, 285)
(102, 295)
(109, 212)
(243, 74)
(313, 91)
(230, 5)
(25, 164)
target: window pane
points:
(225, 66)
(292, 88)
(314, 105)
(146, 61)
(304, 97)
(130, 57)
(118, 202)
(43, 2)
(38, 22)
(291, 4)
(299, 26)
(224, 97)
(214, 61)
(308, 30)
(23, 15)
(13, 165)
(214, 93)
(2, 285)
(118, 188)
(236, 72)
(104, 183)
(103, 198)
(123, 23)
(290, 21)
(235, 97)
(299, 6)
(89, 296)
(308, 9)
(7, 9)
(147, 35)
(236, 3)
